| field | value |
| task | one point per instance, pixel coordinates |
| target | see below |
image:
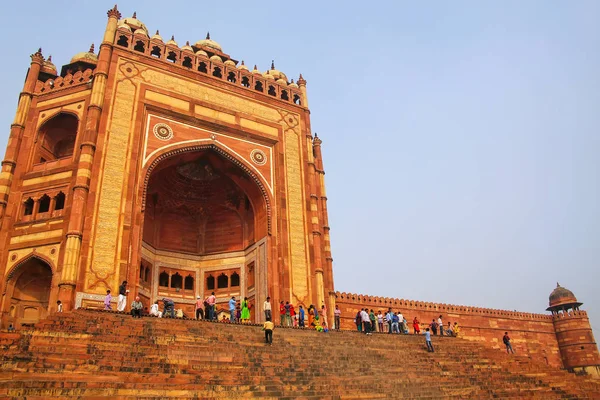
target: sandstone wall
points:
(531, 333)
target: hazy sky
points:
(461, 139)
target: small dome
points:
(88, 57)
(141, 32)
(157, 36)
(216, 58)
(293, 85)
(48, 67)
(276, 73)
(201, 53)
(230, 63)
(187, 47)
(282, 82)
(561, 296)
(256, 71)
(124, 26)
(243, 66)
(208, 42)
(268, 76)
(172, 42)
(133, 23)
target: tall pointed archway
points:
(27, 296)
(204, 221)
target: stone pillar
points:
(302, 85)
(84, 167)
(317, 267)
(16, 131)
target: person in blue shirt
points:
(232, 309)
(301, 317)
(395, 321)
(428, 340)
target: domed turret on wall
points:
(576, 342)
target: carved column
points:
(16, 130)
(84, 166)
(327, 269)
(315, 223)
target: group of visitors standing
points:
(394, 322)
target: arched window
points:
(284, 95)
(176, 281)
(235, 280)
(231, 77)
(139, 46)
(44, 204)
(123, 41)
(210, 282)
(147, 274)
(202, 67)
(217, 72)
(172, 56)
(28, 207)
(222, 281)
(155, 52)
(187, 62)
(59, 201)
(272, 91)
(258, 86)
(245, 81)
(297, 99)
(57, 137)
(189, 282)
(163, 279)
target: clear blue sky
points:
(461, 139)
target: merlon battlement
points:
(386, 302)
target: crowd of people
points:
(394, 322)
(367, 322)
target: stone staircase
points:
(95, 354)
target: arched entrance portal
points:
(28, 293)
(204, 230)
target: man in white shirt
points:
(400, 322)
(366, 321)
(267, 309)
(388, 319)
(154, 310)
(441, 325)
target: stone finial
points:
(208, 35)
(157, 32)
(134, 15)
(37, 56)
(243, 62)
(173, 37)
(187, 42)
(50, 58)
(557, 284)
(301, 81)
(114, 12)
(254, 66)
(272, 64)
(92, 48)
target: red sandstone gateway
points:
(183, 172)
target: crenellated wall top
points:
(570, 314)
(68, 81)
(437, 307)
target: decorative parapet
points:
(441, 307)
(210, 66)
(68, 81)
(570, 314)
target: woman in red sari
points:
(416, 326)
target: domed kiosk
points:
(576, 342)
